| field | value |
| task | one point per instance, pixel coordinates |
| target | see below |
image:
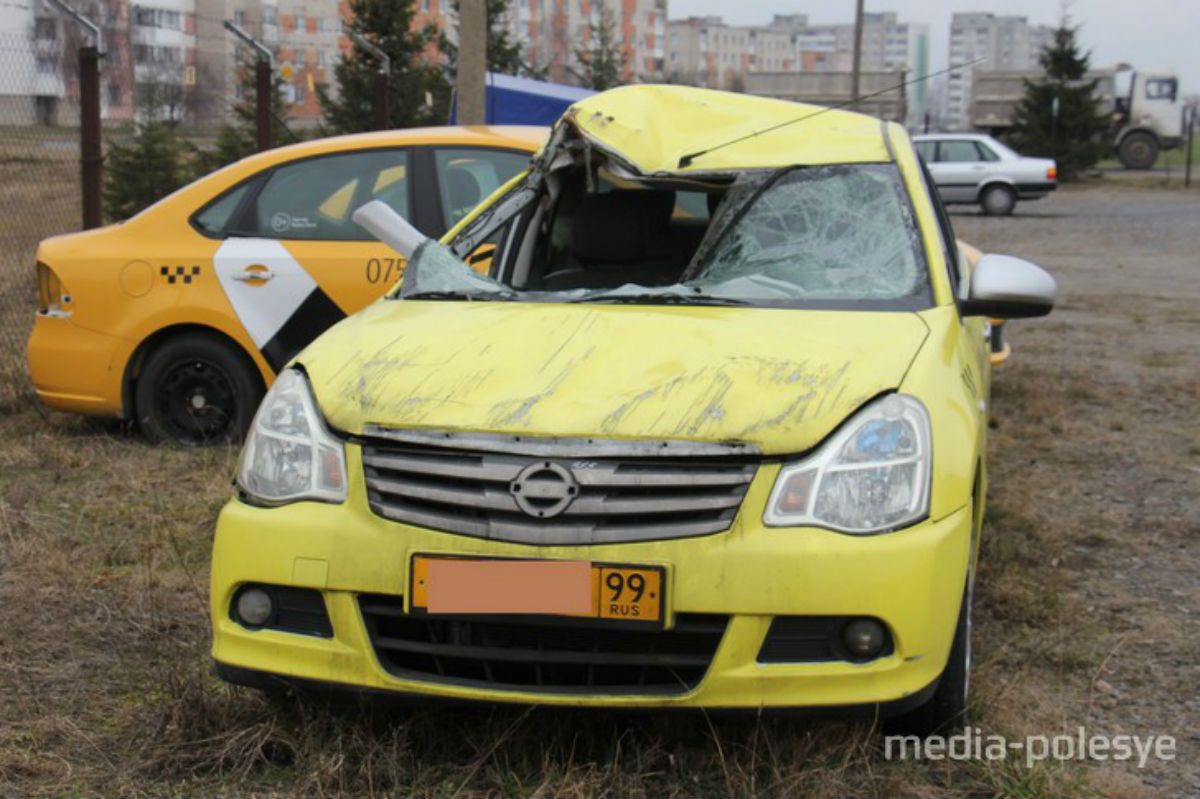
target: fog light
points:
(864, 638)
(255, 607)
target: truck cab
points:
(1149, 116)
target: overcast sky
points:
(1150, 34)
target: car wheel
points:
(946, 711)
(998, 200)
(1138, 151)
(195, 389)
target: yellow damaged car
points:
(180, 317)
(710, 432)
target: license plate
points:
(449, 585)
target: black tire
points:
(196, 389)
(1138, 151)
(997, 200)
(945, 712)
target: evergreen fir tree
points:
(1059, 117)
(415, 72)
(148, 168)
(602, 61)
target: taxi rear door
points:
(294, 262)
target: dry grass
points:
(105, 687)
(104, 545)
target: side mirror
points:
(1004, 287)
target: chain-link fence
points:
(197, 90)
(39, 184)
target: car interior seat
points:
(618, 237)
(462, 193)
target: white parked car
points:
(971, 168)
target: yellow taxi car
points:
(181, 316)
(711, 432)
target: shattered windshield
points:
(822, 233)
(823, 236)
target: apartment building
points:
(158, 54)
(39, 71)
(32, 85)
(305, 37)
(309, 32)
(1005, 43)
(707, 52)
(704, 51)
(553, 32)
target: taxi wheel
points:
(195, 389)
(945, 712)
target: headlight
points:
(289, 453)
(871, 476)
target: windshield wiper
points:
(468, 296)
(663, 298)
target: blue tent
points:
(524, 101)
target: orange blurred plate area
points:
(580, 588)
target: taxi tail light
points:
(1052, 173)
(50, 290)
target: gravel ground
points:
(1118, 476)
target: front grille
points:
(550, 654)
(581, 493)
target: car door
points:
(293, 262)
(958, 170)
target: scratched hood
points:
(781, 380)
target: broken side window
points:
(435, 272)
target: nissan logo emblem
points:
(544, 489)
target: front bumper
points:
(912, 580)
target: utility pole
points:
(856, 69)
(383, 114)
(262, 85)
(91, 157)
(472, 62)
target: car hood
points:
(781, 380)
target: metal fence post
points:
(90, 158)
(262, 101)
(263, 68)
(383, 114)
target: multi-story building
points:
(309, 32)
(176, 57)
(552, 33)
(889, 46)
(708, 52)
(1004, 44)
(704, 51)
(32, 85)
(305, 37)
(159, 46)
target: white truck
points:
(1146, 107)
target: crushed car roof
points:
(654, 128)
